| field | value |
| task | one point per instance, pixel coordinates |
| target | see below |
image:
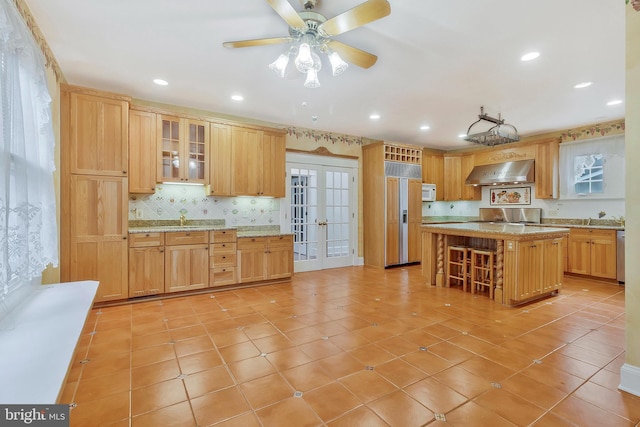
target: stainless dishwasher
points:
(620, 256)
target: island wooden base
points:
(528, 261)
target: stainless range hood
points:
(518, 172)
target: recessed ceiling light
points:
(583, 85)
(425, 127)
(462, 135)
(160, 82)
(374, 116)
(529, 56)
(614, 102)
(237, 97)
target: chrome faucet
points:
(183, 220)
(619, 220)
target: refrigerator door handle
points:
(404, 216)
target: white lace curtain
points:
(28, 233)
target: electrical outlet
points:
(553, 212)
(138, 213)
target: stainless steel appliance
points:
(511, 215)
(620, 256)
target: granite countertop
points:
(169, 226)
(495, 228)
(603, 224)
(447, 219)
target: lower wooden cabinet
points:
(222, 258)
(186, 261)
(544, 272)
(146, 264)
(280, 257)
(264, 258)
(592, 252)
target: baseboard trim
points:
(630, 379)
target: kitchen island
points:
(528, 260)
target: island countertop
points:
(494, 230)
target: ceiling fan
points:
(311, 33)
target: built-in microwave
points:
(428, 192)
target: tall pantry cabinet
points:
(94, 130)
(385, 166)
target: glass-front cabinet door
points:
(183, 150)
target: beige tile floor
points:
(355, 347)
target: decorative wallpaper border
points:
(50, 59)
(594, 131)
(324, 136)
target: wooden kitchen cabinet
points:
(98, 132)
(452, 181)
(544, 268)
(433, 172)
(468, 192)
(415, 221)
(183, 150)
(97, 247)
(273, 164)
(142, 149)
(593, 252)
(222, 258)
(553, 271)
(186, 261)
(547, 170)
(456, 170)
(246, 156)
(252, 259)
(257, 162)
(264, 258)
(220, 164)
(146, 264)
(383, 164)
(279, 257)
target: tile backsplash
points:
(172, 200)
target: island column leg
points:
(440, 261)
(498, 294)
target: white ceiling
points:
(438, 62)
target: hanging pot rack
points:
(501, 133)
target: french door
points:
(322, 200)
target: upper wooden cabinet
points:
(273, 164)
(220, 163)
(456, 170)
(142, 151)
(547, 170)
(468, 192)
(257, 162)
(183, 150)
(433, 173)
(97, 133)
(452, 178)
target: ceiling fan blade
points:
(288, 13)
(258, 42)
(362, 14)
(353, 55)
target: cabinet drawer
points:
(222, 248)
(186, 238)
(280, 241)
(222, 260)
(222, 276)
(247, 243)
(141, 240)
(219, 236)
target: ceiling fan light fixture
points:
(304, 60)
(280, 64)
(312, 81)
(338, 65)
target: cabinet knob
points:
(124, 172)
(187, 234)
(147, 235)
(224, 257)
(124, 237)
